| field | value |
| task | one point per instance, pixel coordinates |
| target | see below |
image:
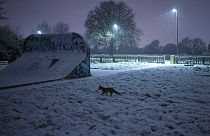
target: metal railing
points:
(103, 58)
(202, 60)
(3, 64)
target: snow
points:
(156, 99)
(104, 69)
(34, 67)
(123, 65)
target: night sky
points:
(152, 16)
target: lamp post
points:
(115, 26)
(177, 29)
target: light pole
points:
(177, 29)
(115, 26)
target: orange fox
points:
(108, 90)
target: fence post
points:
(203, 60)
(172, 59)
(100, 59)
(164, 59)
(113, 59)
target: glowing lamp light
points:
(174, 10)
(39, 32)
(115, 26)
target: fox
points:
(108, 90)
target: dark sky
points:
(152, 16)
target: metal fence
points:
(3, 64)
(127, 58)
(174, 59)
(202, 60)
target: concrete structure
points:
(47, 58)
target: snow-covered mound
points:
(48, 57)
(168, 101)
(39, 66)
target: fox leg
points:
(111, 93)
(102, 93)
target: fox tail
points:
(116, 92)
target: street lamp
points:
(115, 26)
(39, 32)
(177, 30)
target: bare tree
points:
(44, 28)
(61, 27)
(170, 48)
(112, 22)
(192, 46)
(2, 10)
(185, 45)
(153, 48)
(198, 46)
(209, 47)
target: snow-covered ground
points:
(104, 69)
(155, 100)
